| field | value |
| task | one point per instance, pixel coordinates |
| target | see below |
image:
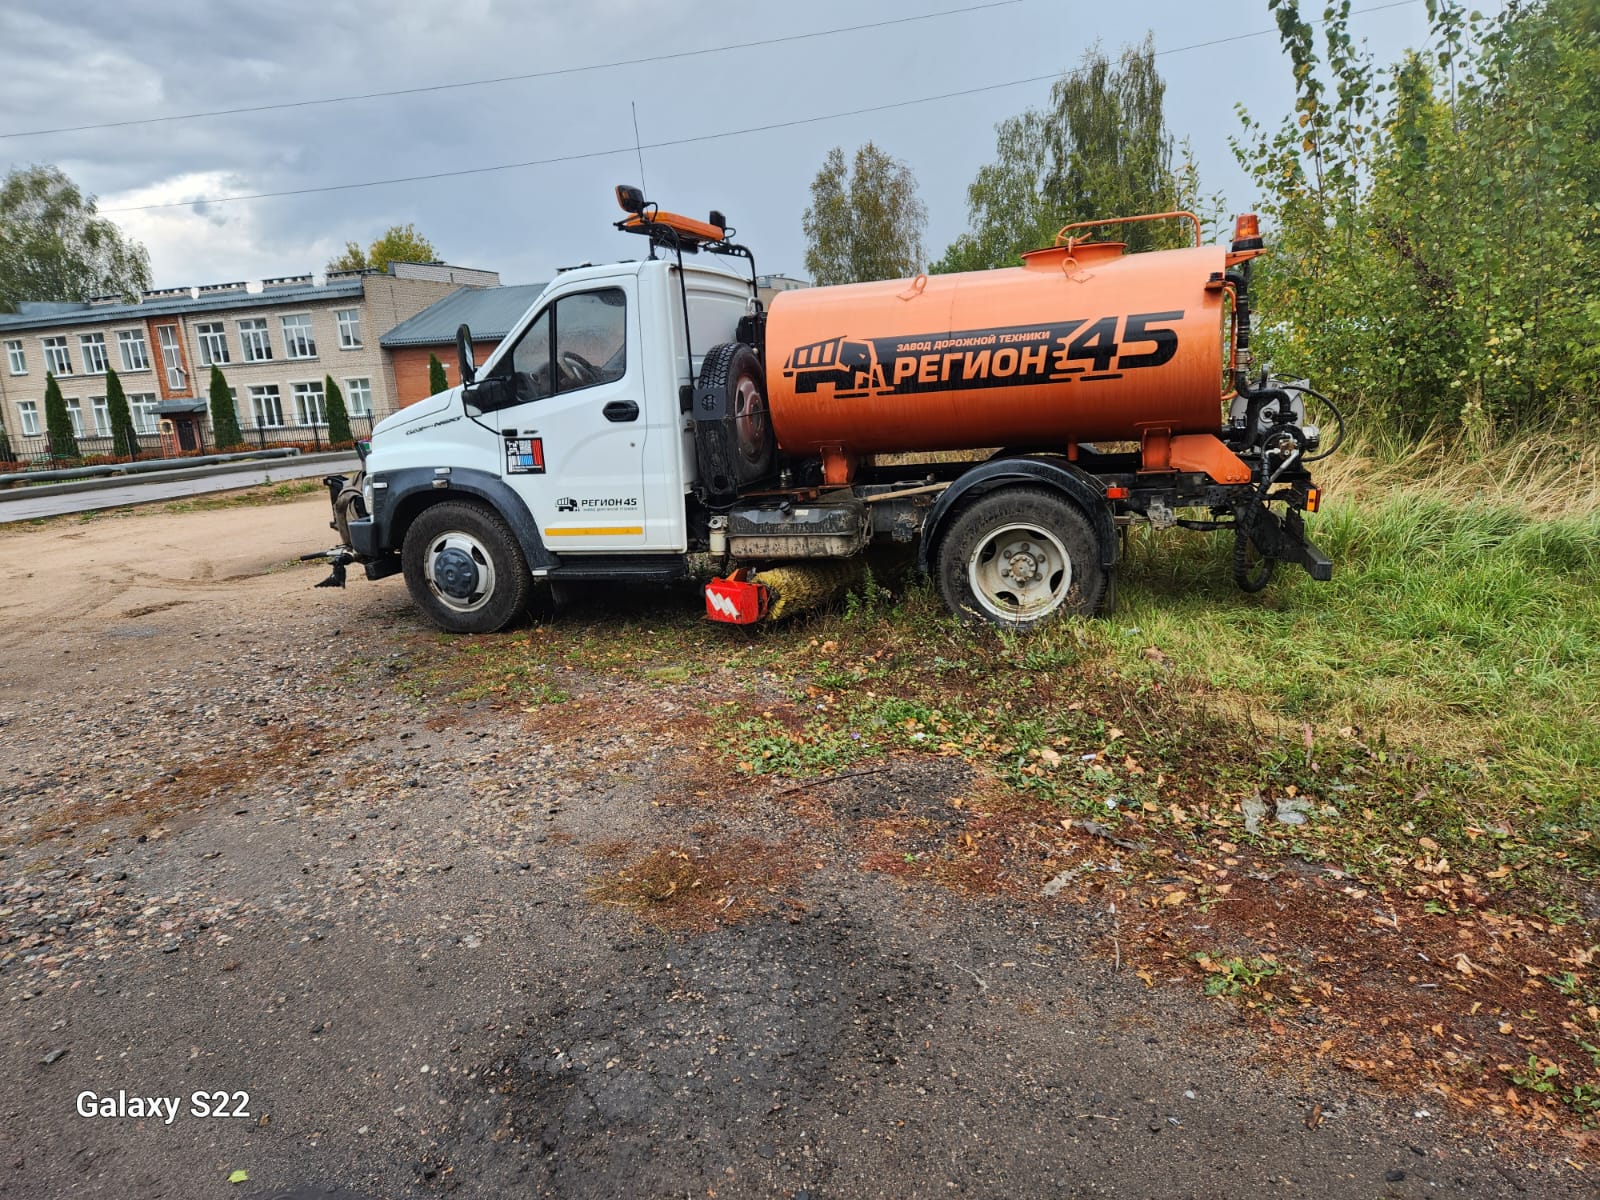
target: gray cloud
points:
(87, 62)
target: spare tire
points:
(733, 436)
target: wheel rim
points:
(750, 418)
(1019, 572)
(459, 571)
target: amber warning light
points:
(1246, 232)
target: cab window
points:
(578, 342)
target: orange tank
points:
(1081, 343)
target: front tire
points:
(1021, 556)
(464, 568)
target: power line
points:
(704, 137)
(554, 72)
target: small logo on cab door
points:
(566, 504)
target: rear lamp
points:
(1313, 499)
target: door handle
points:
(621, 410)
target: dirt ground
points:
(238, 855)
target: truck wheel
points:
(464, 568)
(1020, 556)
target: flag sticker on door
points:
(524, 456)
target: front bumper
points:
(364, 537)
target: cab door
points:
(574, 438)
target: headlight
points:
(366, 495)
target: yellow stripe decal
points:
(598, 531)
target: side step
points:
(620, 567)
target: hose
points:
(348, 499)
(1332, 407)
(1241, 565)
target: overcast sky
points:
(92, 61)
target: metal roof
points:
(92, 314)
(490, 311)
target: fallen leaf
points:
(1428, 844)
(1464, 965)
(1173, 899)
(238, 1177)
(1149, 979)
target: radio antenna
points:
(638, 149)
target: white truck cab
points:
(574, 439)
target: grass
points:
(1472, 629)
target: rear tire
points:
(464, 568)
(1018, 557)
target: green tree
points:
(437, 380)
(1101, 149)
(1435, 226)
(338, 415)
(57, 423)
(54, 247)
(225, 429)
(398, 243)
(865, 221)
(123, 438)
(7, 454)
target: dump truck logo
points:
(1019, 356)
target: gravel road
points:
(237, 855)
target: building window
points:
(213, 343)
(18, 360)
(310, 407)
(102, 416)
(135, 355)
(57, 358)
(142, 407)
(28, 410)
(172, 357)
(253, 337)
(297, 339)
(93, 346)
(267, 406)
(75, 415)
(349, 328)
(359, 392)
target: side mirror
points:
(489, 394)
(469, 369)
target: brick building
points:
(274, 345)
(490, 312)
